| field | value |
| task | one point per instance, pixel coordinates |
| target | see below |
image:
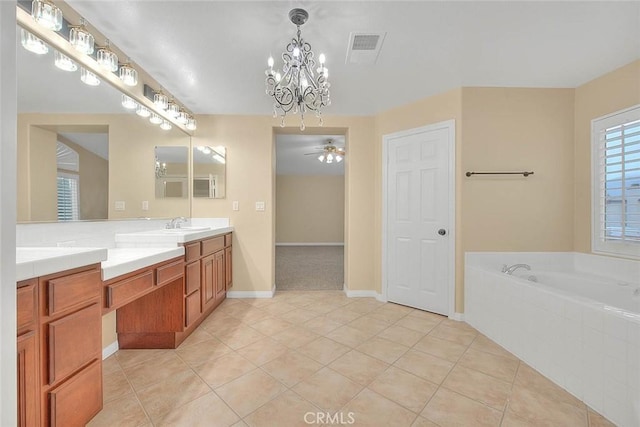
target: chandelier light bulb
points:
(278, 77)
(321, 59)
(64, 62)
(107, 58)
(128, 102)
(128, 74)
(270, 62)
(32, 43)
(81, 39)
(165, 125)
(296, 51)
(143, 111)
(47, 14)
(88, 77)
(155, 119)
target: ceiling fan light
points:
(338, 158)
(32, 43)
(321, 157)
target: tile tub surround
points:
(34, 262)
(314, 352)
(590, 349)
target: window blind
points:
(68, 196)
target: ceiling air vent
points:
(364, 48)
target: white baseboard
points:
(364, 294)
(311, 244)
(109, 350)
(457, 316)
(252, 294)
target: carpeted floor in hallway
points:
(306, 268)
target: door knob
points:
(442, 232)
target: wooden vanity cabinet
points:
(59, 324)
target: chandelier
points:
(301, 87)
(161, 169)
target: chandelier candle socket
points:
(301, 87)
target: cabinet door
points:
(228, 268)
(77, 400)
(208, 277)
(192, 282)
(28, 386)
(192, 308)
(221, 284)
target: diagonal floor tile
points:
(261, 385)
(404, 388)
(478, 386)
(264, 350)
(424, 365)
(447, 408)
(401, 335)
(124, 411)
(385, 350)
(370, 409)
(328, 389)
(359, 367)
(503, 368)
(443, 349)
(288, 409)
(291, 368)
(224, 369)
(206, 411)
(323, 350)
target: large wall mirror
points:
(209, 172)
(172, 172)
(81, 154)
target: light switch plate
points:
(260, 206)
(145, 205)
(236, 205)
(119, 205)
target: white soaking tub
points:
(574, 317)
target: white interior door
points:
(419, 217)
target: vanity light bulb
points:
(32, 43)
(88, 77)
(46, 14)
(191, 124)
(143, 111)
(107, 58)
(183, 118)
(161, 100)
(81, 39)
(128, 75)
(165, 125)
(155, 119)
(173, 110)
(128, 102)
(64, 62)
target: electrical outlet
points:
(145, 205)
(236, 205)
(119, 205)
(260, 206)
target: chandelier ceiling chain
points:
(300, 88)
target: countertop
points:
(125, 260)
(40, 261)
(167, 237)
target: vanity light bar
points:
(39, 39)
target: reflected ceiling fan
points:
(328, 153)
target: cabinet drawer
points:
(212, 245)
(78, 400)
(73, 290)
(227, 240)
(192, 308)
(170, 272)
(192, 251)
(192, 281)
(26, 302)
(123, 291)
(74, 340)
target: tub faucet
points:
(514, 267)
(175, 222)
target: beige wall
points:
(609, 93)
(514, 129)
(438, 108)
(309, 208)
(42, 188)
(131, 161)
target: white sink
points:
(184, 230)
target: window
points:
(616, 183)
(68, 162)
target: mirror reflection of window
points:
(68, 182)
(171, 172)
(209, 172)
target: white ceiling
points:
(292, 156)
(212, 54)
(97, 143)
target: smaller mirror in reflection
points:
(172, 171)
(209, 167)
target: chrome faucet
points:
(175, 222)
(514, 267)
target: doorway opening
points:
(309, 211)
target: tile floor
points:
(268, 362)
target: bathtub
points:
(573, 317)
